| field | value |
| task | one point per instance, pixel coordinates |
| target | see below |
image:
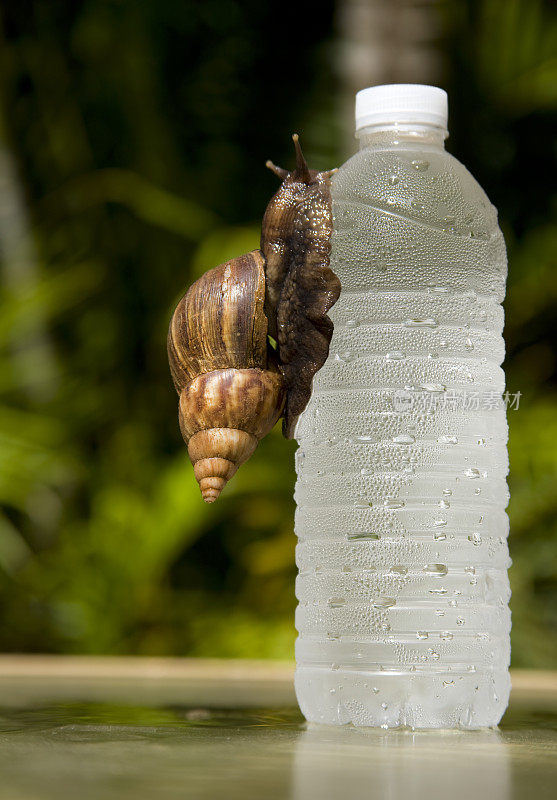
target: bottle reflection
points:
(332, 763)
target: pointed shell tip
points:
(209, 497)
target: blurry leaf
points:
(53, 294)
(271, 555)
(150, 203)
(533, 542)
(31, 452)
(223, 244)
(516, 50)
(14, 550)
(532, 286)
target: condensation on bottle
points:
(403, 616)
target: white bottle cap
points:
(403, 103)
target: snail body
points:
(300, 285)
(233, 385)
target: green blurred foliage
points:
(132, 142)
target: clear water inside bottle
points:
(403, 593)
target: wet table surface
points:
(155, 728)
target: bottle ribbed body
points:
(403, 592)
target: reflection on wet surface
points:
(112, 751)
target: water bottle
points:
(403, 615)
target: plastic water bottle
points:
(403, 593)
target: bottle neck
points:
(402, 134)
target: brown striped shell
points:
(230, 393)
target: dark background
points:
(133, 136)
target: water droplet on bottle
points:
(470, 570)
(482, 442)
(439, 523)
(435, 656)
(398, 569)
(332, 691)
(460, 620)
(446, 635)
(475, 538)
(375, 690)
(422, 635)
(404, 439)
(336, 602)
(447, 492)
(393, 180)
(439, 536)
(433, 387)
(444, 504)
(469, 345)
(366, 471)
(394, 504)
(436, 569)
(417, 206)
(395, 355)
(420, 165)
(447, 440)
(448, 683)
(345, 357)
(472, 473)
(364, 438)
(362, 537)
(384, 602)
(441, 590)
(420, 323)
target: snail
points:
(233, 384)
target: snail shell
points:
(231, 393)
